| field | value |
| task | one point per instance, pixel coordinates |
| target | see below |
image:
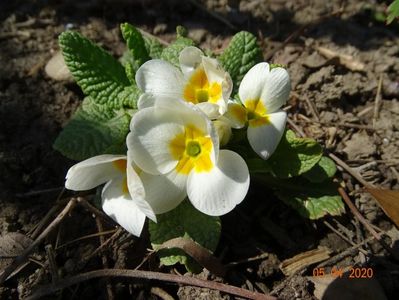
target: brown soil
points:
(331, 102)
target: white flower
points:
(182, 143)
(127, 190)
(200, 81)
(262, 92)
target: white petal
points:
(252, 84)
(264, 139)
(152, 130)
(276, 89)
(189, 59)
(211, 110)
(137, 191)
(121, 208)
(164, 192)
(146, 100)
(217, 192)
(92, 172)
(160, 78)
(236, 115)
(213, 71)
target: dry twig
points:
(23, 256)
(49, 289)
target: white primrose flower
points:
(262, 92)
(181, 142)
(200, 81)
(123, 196)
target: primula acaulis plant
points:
(174, 135)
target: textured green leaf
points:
(311, 200)
(323, 170)
(154, 48)
(314, 204)
(99, 75)
(241, 55)
(172, 52)
(94, 129)
(129, 96)
(393, 11)
(184, 221)
(135, 43)
(294, 156)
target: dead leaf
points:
(294, 264)
(201, 255)
(57, 69)
(330, 287)
(11, 245)
(388, 201)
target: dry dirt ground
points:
(333, 100)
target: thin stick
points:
(299, 31)
(247, 260)
(52, 263)
(89, 236)
(161, 293)
(295, 127)
(94, 210)
(104, 259)
(345, 253)
(365, 223)
(23, 256)
(66, 282)
(39, 192)
(213, 14)
(43, 222)
(377, 102)
(351, 171)
(343, 237)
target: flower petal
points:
(236, 115)
(265, 138)
(212, 110)
(217, 192)
(160, 78)
(121, 208)
(276, 89)
(93, 171)
(251, 86)
(137, 190)
(164, 192)
(189, 59)
(152, 130)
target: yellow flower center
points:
(256, 113)
(198, 89)
(192, 149)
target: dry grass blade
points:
(201, 255)
(389, 202)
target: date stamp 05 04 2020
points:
(351, 272)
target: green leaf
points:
(129, 96)
(323, 170)
(294, 156)
(154, 47)
(311, 200)
(172, 52)
(393, 11)
(99, 75)
(241, 55)
(136, 44)
(184, 221)
(94, 129)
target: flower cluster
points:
(184, 117)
